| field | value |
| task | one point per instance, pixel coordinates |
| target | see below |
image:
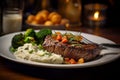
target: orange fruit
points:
(51, 14)
(30, 18)
(56, 18)
(48, 23)
(34, 22)
(39, 18)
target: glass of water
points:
(12, 16)
(12, 20)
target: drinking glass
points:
(12, 20)
(12, 16)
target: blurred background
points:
(34, 6)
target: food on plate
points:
(29, 36)
(17, 40)
(27, 46)
(33, 53)
(53, 47)
(47, 18)
(71, 48)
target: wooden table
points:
(16, 71)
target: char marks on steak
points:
(86, 51)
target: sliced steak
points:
(86, 51)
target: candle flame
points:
(96, 15)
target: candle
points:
(96, 17)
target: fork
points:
(107, 48)
(102, 45)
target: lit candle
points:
(97, 17)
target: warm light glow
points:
(96, 15)
(67, 1)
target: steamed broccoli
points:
(29, 33)
(29, 40)
(30, 36)
(18, 40)
(42, 34)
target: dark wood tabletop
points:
(10, 70)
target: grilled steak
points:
(77, 51)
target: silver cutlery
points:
(107, 48)
(102, 45)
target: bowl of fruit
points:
(46, 19)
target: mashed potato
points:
(33, 53)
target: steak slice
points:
(86, 51)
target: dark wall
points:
(113, 11)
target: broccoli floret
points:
(29, 33)
(12, 49)
(30, 36)
(29, 40)
(18, 40)
(42, 34)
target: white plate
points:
(5, 43)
